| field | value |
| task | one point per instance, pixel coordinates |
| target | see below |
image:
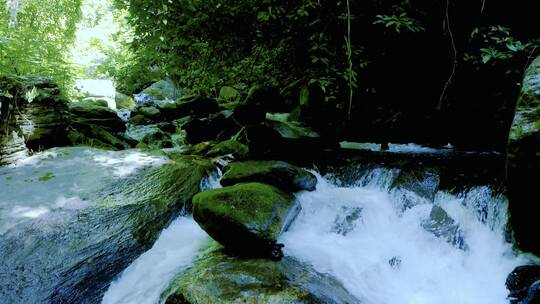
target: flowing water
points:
(383, 254)
(361, 233)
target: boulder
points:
(151, 113)
(523, 163)
(84, 114)
(219, 278)
(416, 186)
(522, 283)
(219, 126)
(229, 147)
(277, 173)
(163, 90)
(189, 105)
(246, 218)
(124, 102)
(257, 103)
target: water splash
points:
(385, 255)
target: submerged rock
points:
(523, 163)
(246, 218)
(276, 173)
(416, 186)
(443, 226)
(219, 278)
(72, 252)
(523, 284)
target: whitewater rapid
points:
(383, 254)
(362, 234)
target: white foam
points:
(425, 269)
(146, 278)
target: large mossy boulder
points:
(246, 218)
(219, 278)
(163, 90)
(523, 164)
(124, 102)
(277, 173)
(88, 113)
(94, 124)
(214, 149)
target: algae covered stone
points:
(277, 173)
(246, 218)
(219, 278)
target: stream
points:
(385, 245)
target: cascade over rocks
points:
(523, 165)
(246, 218)
(219, 278)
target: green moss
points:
(160, 193)
(231, 146)
(245, 218)
(277, 173)
(219, 278)
(46, 177)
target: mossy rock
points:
(89, 113)
(277, 173)
(139, 120)
(228, 94)
(229, 147)
(124, 102)
(219, 278)
(246, 218)
(163, 90)
(193, 105)
(151, 113)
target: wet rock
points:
(522, 283)
(395, 262)
(276, 173)
(347, 219)
(524, 160)
(416, 186)
(156, 139)
(443, 226)
(219, 278)
(246, 218)
(72, 255)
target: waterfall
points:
(449, 250)
(13, 9)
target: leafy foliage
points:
(38, 40)
(399, 22)
(204, 45)
(496, 44)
